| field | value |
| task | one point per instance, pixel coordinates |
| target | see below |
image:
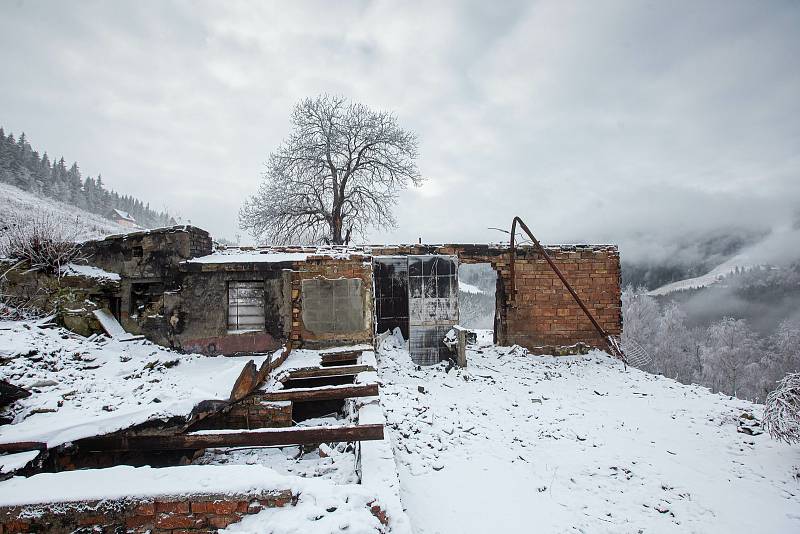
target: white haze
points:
(642, 123)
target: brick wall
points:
(251, 412)
(175, 515)
(543, 315)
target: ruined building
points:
(170, 286)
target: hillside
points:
(520, 443)
(15, 202)
(21, 165)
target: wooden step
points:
(319, 372)
(270, 437)
(334, 358)
(344, 391)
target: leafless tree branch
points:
(338, 174)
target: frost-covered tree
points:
(730, 351)
(674, 355)
(782, 410)
(337, 174)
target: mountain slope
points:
(521, 443)
(16, 203)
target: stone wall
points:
(198, 315)
(187, 514)
(73, 297)
(149, 254)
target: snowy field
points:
(521, 443)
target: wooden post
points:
(461, 358)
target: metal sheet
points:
(391, 293)
(432, 305)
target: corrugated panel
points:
(246, 306)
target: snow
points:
(125, 481)
(469, 288)
(320, 512)
(88, 271)
(250, 257)
(124, 215)
(83, 388)
(577, 444)
(14, 202)
(12, 462)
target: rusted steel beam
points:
(260, 438)
(322, 393)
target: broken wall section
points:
(334, 301)
(542, 315)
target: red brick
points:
(223, 507)
(145, 508)
(199, 507)
(137, 521)
(179, 507)
(171, 521)
(222, 521)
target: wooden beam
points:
(255, 438)
(336, 357)
(321, 393)
(22, 446)
(320, 372)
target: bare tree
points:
(337, 174)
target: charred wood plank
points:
(330, 358)
(22, 446)
(260, 438)
(319, 372)
(322, 393)
(10, 393)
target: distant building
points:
(122, 218)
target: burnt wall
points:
(354, 267)
(197, 316)
(541, 315)
(151, 254)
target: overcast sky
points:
(633, 122)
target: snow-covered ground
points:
(84, 387)
(521, 443)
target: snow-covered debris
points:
(82, 388)
(125, 481)
(270, 255)
(88, 271)
(237, 256)
(577, 444)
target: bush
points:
(41, 241)
(782, 410)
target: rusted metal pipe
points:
(612, 345)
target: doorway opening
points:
(477, 302)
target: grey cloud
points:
(631, 122)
